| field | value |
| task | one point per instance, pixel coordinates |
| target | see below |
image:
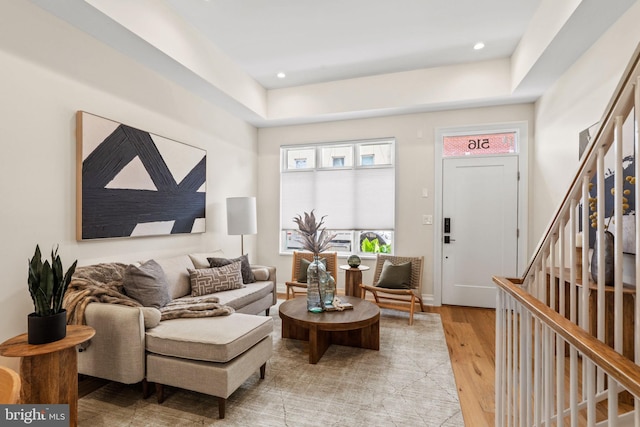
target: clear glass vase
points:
(316, 283)
(329, 291)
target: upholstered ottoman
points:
(212, 355)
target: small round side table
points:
(352, 279)
(49, 372)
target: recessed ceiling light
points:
(281, 75)
(478, 46)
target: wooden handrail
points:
(613, 363)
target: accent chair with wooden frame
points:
(395, 298)
(9, 386)
(332, 268)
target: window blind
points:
(352, 199)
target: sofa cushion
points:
(250, 293)
(200, 260)
(151, 316)
(211, 339)
(206, 281)
(247, 274)
(147, 284)
(175, 269)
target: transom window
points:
(475, 145)
(357, 198)
(367, 159)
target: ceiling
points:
(348, 59)
(318, 41)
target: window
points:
(302, 158)
(367, 159)
(336, 156)
(478, 145)
(358, 200)
(378, 154)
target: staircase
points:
(567, 343)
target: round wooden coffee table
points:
(359, 327)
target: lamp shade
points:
(241, 215)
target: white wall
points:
(575, 102)
(415, 135)
(48, 71)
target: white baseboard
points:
(428, 299)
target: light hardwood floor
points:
(470, 334)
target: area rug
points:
(409, 382)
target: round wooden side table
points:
(49, 372)
(352, 279)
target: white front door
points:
(480, 199)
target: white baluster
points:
(636, 173)
(500, 356)
(618, 243)
(600, 255)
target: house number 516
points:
(477, 144)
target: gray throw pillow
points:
(245, 268)
(147, 284)
(304, 265)
(395, 276)
(205, 281)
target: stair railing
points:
(567, 343)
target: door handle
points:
(448, 239)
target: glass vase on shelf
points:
(316, 282)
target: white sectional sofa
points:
(212, 355)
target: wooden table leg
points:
(352, 278)
(319, 341)
(370, 337)
(51, 378)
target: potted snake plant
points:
(47, 285)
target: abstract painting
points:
(134, 183)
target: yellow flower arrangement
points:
(594, 200)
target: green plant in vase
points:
(47, 286)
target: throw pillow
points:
(260, 273)
(304, 265)
(206, 281)
(395, 276)
(151, 317)
(147, 284)
(247, 274)
(200, 260)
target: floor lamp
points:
(241, 218)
